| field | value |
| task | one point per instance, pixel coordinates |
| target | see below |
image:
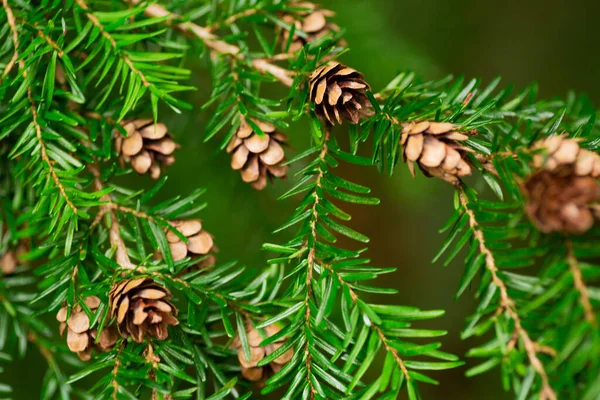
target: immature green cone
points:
(258, 158)
(564, 194)
(142, 308)
(250, 369)
(80, 338)
(340, 94)
(200, 243)
(148, 147)
(309, 18)
(437, 149)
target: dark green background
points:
(553, 42)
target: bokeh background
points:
(553, 42)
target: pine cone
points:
(560, 151)
(312, 20)
(148, 147)
(258, 158)
(80, 338)
(10, 260)
(142, 308)
(339, 93)
(560, 201)
(250, 370)
(200, 242)
(436, 148)
(562, 193)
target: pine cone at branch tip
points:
(311, 19)
(250, 369)
(437, 149)
(148, 147)
(200, 242)
(561, 201)
(258, 158)
(563, 194)
(80, 338)
(142, 308)
(559, 151)
(340, 94)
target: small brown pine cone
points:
(200, 242)
(80, 338)
(561, 201)
(259, 158)
(148, 147)
(311, 19)
(339, 94)
(560, 151)
(436, 148)
(142, 308)
(250, 370)
(10, 260)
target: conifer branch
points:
(579, 283)
(384, 339)
(507, 304)
(44, 154)
(112, 42)
(214, 43)
(12, 22)
(311, 243)
(116, 240)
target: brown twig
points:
(115, 370)
(115, 238)
(312, 257)
(507, 304)
(579, 283)
(214, 43)
(12, 22)
(233, 18)
(376, 328)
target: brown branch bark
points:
(217, 45)
(115, 238)
(507, 304)
(579, 283)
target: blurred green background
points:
(553, 42)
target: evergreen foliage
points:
(74, 72)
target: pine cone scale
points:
(339, 93)
(148, 147)
(564, 191)
(250, 369)
(80, 338)
(436, 148)
(258, 157)
(199, 242)
(142, 308)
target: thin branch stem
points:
(115, 238)
(579, 283)
(376, 328)
(215, 44)
(312, 256)
(233, 18)
(33, 108)
(506, 303)
(12, 22)
(112, 41)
